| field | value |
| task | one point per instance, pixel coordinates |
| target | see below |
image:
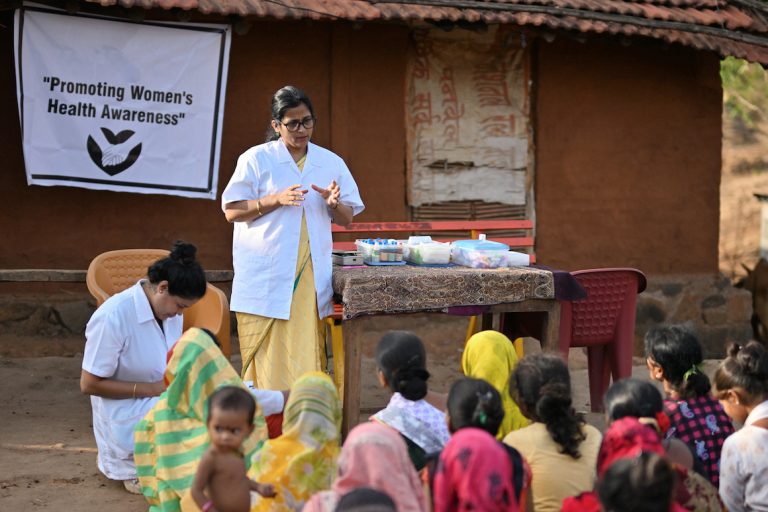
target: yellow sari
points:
(491, 356)
(302, 461)
(172, 437)
(277, 352)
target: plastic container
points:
(518, 259)
(479, 253)
(378, 251)
(428, 253)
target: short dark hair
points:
(639, 484)
(678, 352)
(745, 368)
(402, 358)
(232, 398)
(632, 398)
(366, 499)
(475, 403)
(185, 276)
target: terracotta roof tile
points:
(729, 27)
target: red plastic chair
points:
(604, 322)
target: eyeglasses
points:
(292, 126)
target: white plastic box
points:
(428, 253)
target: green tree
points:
(745, 90)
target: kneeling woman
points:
(127, 340)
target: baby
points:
(222, 469)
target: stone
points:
(74, 315)
(649, 311)
(671, 289)
(713, 301)
(713, 341)
(16, 311)
(714, 316)
(739, 306)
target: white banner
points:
(113, 104)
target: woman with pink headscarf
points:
(375, 456)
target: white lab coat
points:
(124, 342)
(265, 250)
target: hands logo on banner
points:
(116, 154)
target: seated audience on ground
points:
(476, 471)
(365, 499)
(375, 456)
(559, 446)
(220, 481)
(415, 412)
(302, 461)
(741, 385)
(674, 358)
(172, 436)
(628, 438)
(491, 356)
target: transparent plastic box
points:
(479, 253)
(428, 253)
(378, 251)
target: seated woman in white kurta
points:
(127, 340)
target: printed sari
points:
(302, 461)
(173, 436)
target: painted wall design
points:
(467, 117)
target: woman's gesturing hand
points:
(292, 196)
(330, 194)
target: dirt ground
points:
(47, 449)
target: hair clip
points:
(696, 368)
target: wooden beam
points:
(54, 275)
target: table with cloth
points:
(379, 290)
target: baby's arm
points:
(266, 490)
(202, 477)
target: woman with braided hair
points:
(414, 411)
(560, 447)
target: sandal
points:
(132, 486)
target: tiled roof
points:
(737, 28)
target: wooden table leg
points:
(353, 342)
(550, 332)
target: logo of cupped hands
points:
(117, 154)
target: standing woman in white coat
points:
(282, 198)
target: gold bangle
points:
(258, 207)
(134, 389)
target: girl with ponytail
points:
(674, 358)
(560, 447)
(413, 410)
(741, 385)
